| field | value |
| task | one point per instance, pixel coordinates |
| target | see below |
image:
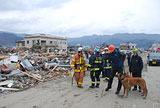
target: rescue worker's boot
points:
(117, 92)
(92, 86)
(80, 86)
(107, 89)
(97, 86)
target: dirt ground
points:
(60, 94)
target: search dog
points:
(129, 81)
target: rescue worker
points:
(80, 66)
(103, 69)
(136, 66)
(101, 52)
(117, 66)
(107, 65)
(129, 58)
(95, 64)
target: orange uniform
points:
(80, 66)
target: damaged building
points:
(127, 46)
(45, 42)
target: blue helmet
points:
(97, 50)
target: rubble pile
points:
(24, 70)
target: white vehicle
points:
(153, 59)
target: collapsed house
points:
(25, 69)
(127, 46)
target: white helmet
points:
(80, 49)
(106, 49)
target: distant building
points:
(50, 42)
(155, 46)
(127, 46)
(20, 44)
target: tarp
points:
(14, 58)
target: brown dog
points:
(128, 76)
(129, 81)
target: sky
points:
(75, 18)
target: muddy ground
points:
(60, 94)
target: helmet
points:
(101, 50)
(106, 49)
(80, 49)
(97, 50)
(135, 51)
(111, 48)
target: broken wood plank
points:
(32, 76)
(54, 68)
(4, 57)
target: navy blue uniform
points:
(95, 64)
(117, 66)
(107, 66)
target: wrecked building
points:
(127, 46)
(43, 41)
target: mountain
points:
(17, 34)
(141, 39)
(9, 39)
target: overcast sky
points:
(74, 18)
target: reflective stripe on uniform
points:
(80, 63)
(78, 70)
(97, 61)
(94, 74)
(85, 65)
(91, 69)
(80, 83)
(89, 65)
(98, 82)
(96, 69)
(109, 67)
(73, 65)
(73, 60)
(93, 82)
(80, 60)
